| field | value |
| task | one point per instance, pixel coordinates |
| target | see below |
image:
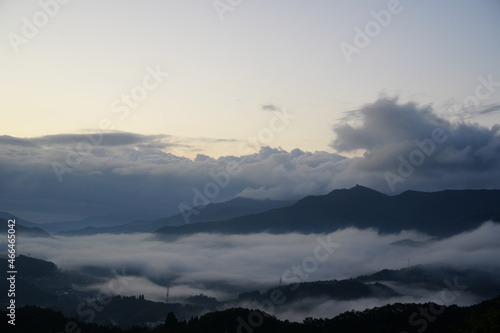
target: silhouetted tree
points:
(171, 321)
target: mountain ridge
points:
(441, 213)
(21, 230)
(212, 212)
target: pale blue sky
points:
(285, 53)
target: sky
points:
(65, 78)
(128, 105)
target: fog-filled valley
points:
(291, 276)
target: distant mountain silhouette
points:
(413, 243)
(212, 212)
(54, 227)
(337, 290)
(23, 231)
(91, 221)
(23, 222)
(478, 281)
(441, 213)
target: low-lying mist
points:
(223, 266)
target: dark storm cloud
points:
(105, 139)
(203, 139)
(490, 109)
(269, 107)
(385, 122)
(9, 140)
(435, 153)
(108, 139)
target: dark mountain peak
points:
(362, 188)
(416, 195)
(358, 193)
(20, 221)
(357, 190)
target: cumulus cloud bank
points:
(435, 153)
(135, 175)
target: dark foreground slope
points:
(441, 213)
(42, 284)
(428, 317)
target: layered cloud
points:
(125, 173)
(400, 146)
